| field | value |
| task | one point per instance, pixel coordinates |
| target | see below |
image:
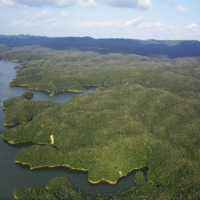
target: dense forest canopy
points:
(148, 116)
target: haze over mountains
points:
(169, 48)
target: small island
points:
(27, 95)
(16, 67)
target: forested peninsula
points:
(148, 116)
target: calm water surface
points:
(15, 176)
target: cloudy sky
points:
(136, 19)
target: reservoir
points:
(15, 176)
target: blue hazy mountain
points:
(169, 48)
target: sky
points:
(134, 19)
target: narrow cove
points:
(17, 176)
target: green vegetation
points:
(73, 76)
(16, 67)
(61, 70)
(27, 95)
(148, 116)
(20, 110)
(60, 188)
(111, 132)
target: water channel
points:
(15, 176)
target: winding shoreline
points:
(10, 142)
(52, 140)
(13, 124)
(31, 168)
(50, 93)
(111, 183)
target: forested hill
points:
(169, 48)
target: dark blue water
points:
(15, 176)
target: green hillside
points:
(111, 132)
(148, 116)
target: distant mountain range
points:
(169, 48)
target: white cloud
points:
(26, 23)
(64, 14)
(150, 25)
(17, 22)
(141, 4)
(61, 3)
(59, 24)
(86, 3)
(133, 27)
(50, 20)
(181, 8)
(192, 27)
(115, 24)
(144, 4)
(43, 12)
(135, 21)
(26, 12)
(169, 29)
(158, 26)
(50, 3)
(8, 2)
